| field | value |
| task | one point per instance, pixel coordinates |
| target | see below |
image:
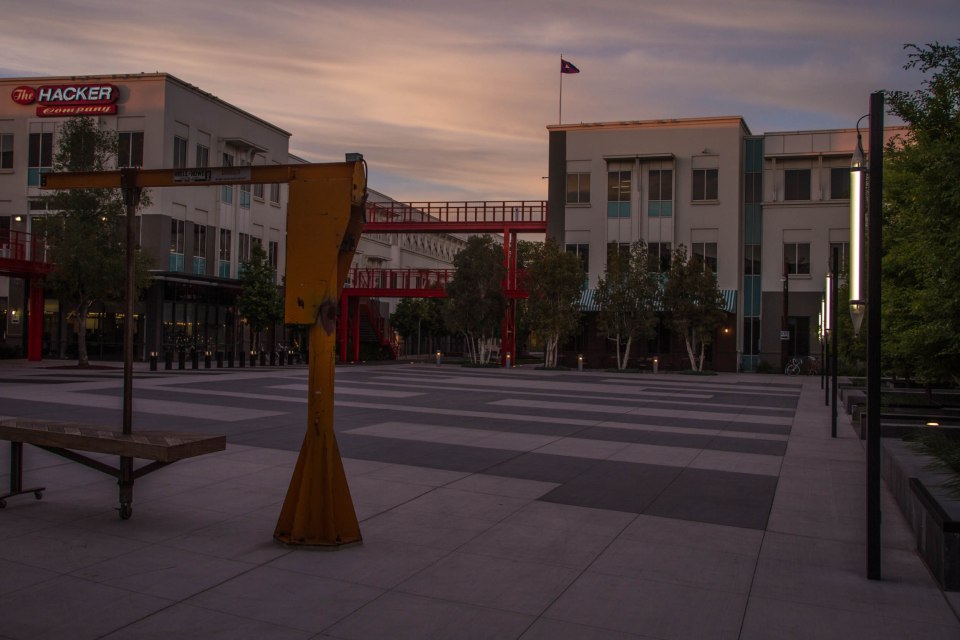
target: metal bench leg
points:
(16, 476)
(125, 480)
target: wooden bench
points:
(66, 439)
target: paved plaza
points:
(493, 504)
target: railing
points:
(399, 279)
(25, 247)
(500, 212)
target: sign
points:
(69, 99)
(217, 174)
(784, 335)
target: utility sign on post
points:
(784, 335)
(231, 175)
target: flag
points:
(568, 67)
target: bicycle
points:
(793, 367)
(809, 365)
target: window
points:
(130, 153)
(199, 248)
(796, 258)
(751, 336)
(844, 249)
(273, 255)
(243, 250)
(751, 259)
(244, 194)
(621, 248)
(226, 191)
(39, 157)
(176, 245)
(840, 183)
(6, 151)
(578, 188)
(796, 184)
(179, 152)
(258, 191)
(583, 252)
(618, 193)
(753, 188)
(223, 266)
(705, 184)
(203, 156)
(660, 200)
(275, 193)
(659, 256)
(706, 253)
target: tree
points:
(476, 302)
(418, 317)
(554, 280)
(693, 303)
(921, 209)
(627, 295)
(259, 300)
(87, 234)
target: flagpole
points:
(560, 110)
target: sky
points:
(450, 99)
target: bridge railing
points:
(24, 247)
(399, 279)
(457, 212)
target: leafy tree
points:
(418, 317)
(554, 280)
(259, 300)
(627, 295)
(476, 302)
(526, 251)
(87, 234)
(693, 303)
(921, 269)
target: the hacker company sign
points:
(69, 99)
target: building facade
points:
(763, 211)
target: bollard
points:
(168, 360)
(230, 359)
(206, 359)
(219, 359)
(243, 358)
(580, 362)
(508, 359)
(656, 363)
(253, 358)
(153, 361)
(263, 358)
(439, 355)
(273, 358)
(194, 359)
(181, 359)
(283, 357)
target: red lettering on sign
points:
(24, 95)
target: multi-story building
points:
(198, 237)
(763, 211)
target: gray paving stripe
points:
(586, 397)
(219, 413)
(556, 386)
(340, 389)
(644, 411)
(762, 464)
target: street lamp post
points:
(870, 304)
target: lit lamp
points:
(826, 308)
(858, 305)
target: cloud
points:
(448, 98)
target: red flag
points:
(568, 67)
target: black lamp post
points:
(871, 305)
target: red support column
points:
(355, 329)
(344, 325)
(35, 322)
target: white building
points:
(751, 206)
(198, 237)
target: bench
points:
(66, 439)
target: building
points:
(198, 237)
(763, 211)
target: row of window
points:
(129, 154)
(796, 255)
(705, 188)
(245, 243)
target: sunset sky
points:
(450, 99)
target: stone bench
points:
(67, 439)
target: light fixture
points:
(18, 218)
(858, 305)
(827, 307)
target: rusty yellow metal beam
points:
(324, 222)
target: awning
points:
(587, 300)
(729, 300)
